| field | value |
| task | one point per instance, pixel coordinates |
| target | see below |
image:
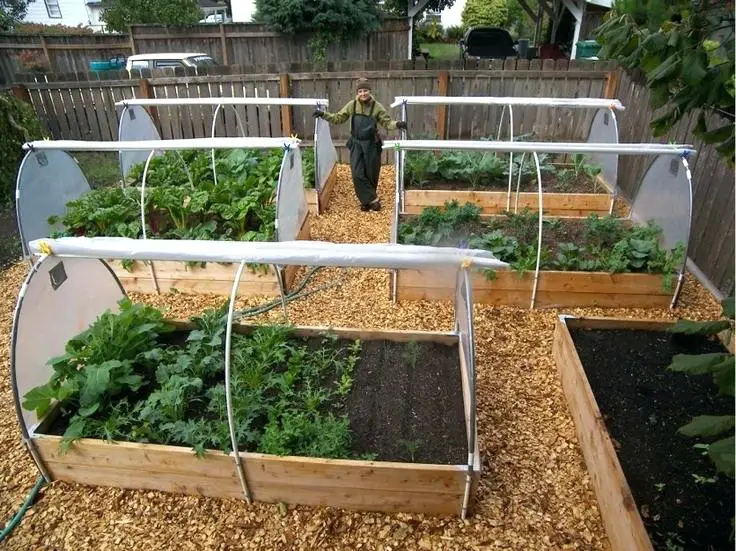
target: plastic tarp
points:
(163, 145)
(61, 298)
(291, 203)
(665, 197)
(539, 147)
(47, 181)
(296, 253)
(604, 129)
(223, 101)
(579, 103)
(135, 125)
(324, 152)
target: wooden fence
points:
(229, 44)
(712, 234)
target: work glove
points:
(401, 125)
(319, 114)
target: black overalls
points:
(365, 154)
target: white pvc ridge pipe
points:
(153, 102)
(162, 145)
(297, 253)
(541, 147)
(574, 103)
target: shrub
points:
(429, 32)
(492, 13)
(20, 124)
(454, 33)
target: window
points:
(139, 64)
(52, 8)
(201, 61)
(163, 63)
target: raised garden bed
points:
(332, 417)
(655, 489)
(189, 204)
(482, 179)
(325, 194)
(585, 262)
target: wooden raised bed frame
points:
(212, 278)
(554, 289)
(325, 194)
(353, 484)
(494, 202)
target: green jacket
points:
(379, 113)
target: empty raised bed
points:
(313, 422)
(656, 487)
(587, 185)
(136, 123)
(259, 196)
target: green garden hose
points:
(40, 483)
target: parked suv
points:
(160, 61)
(486, 43)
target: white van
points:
(161, 61)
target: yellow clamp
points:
(466, 263)
(45, 248)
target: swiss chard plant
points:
(718, 430)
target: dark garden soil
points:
(643, 405)
(407, 403)
(551, 183)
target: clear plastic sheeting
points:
(223, 101)
(60, 299)
(162, 145)
(539, 147)
(291, 203)
(296, 253)
(135, 125)
(604, 129)
(665, 197)
(47, 181)
(325, 154)
(579, 103)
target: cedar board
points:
(555, 289)
(213, 278)
(352, 484)
(325, 194)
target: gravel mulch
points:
(534, 492)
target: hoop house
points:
(41, 194)
(137, 124)
(574, 276)
(74, 282)
(603, 129)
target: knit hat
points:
(362, 84)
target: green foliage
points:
(121, 380)
(399, 7)
(607, 243)
(478, 13)
(327, 21)
(239, 207)
(119, 14)
(19, 124)
(721, 367)
(12, 12)
(428, 32)
(454, 33)
(678, 46)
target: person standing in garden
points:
(365, 143)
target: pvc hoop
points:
(465, 274)
(681, 275)
(212, 135)
(228, 390)
(152, 271)
(539, 236)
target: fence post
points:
(131, 35)
(20, 91)
(444, 84)
(611, 88)
(45, 47)
(286, 123)
(223, 42)
(146, 91)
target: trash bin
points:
(587, 49)
(523, 48)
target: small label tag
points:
(57, 275)
(41, 158)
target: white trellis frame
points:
(604, 128)
(135, 120)
(669, 206)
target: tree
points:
(327, 21)
(493, 13)
(399, 7)
(119, 14)
(685, 48)
(12, 12)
